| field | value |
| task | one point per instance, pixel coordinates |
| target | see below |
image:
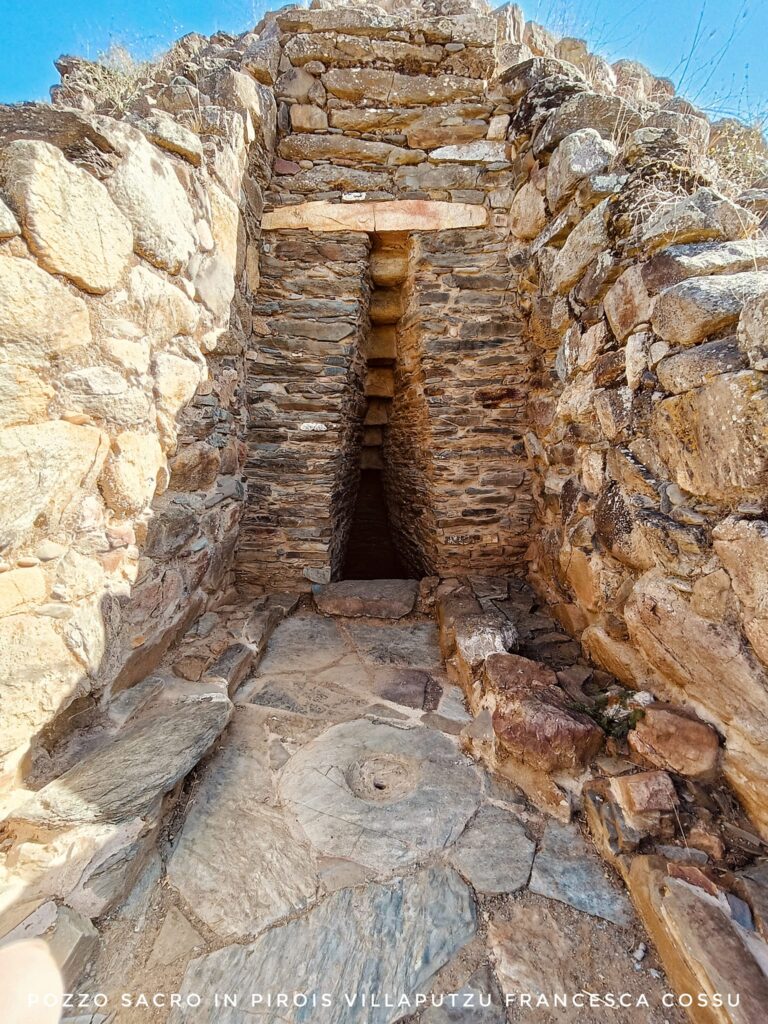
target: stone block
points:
(580, 155)
(533, 721)
(386, 306)
(627, 304)
(381, 599)
(388, 267)
(398, 215)
(38, 311)
(582, 247)
(742, 546)
(688, 312)
(483, 151)
(704, 216)
(359, 84)
(611, 116)
(528, 213)
(699, 365)
(701, 259)
(66, 215)
(305, 117)
(675, 739)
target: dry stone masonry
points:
(414, 285)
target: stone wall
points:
(458, 480)
(128, 252)
(305, 403)
(645, 294)
(579, 366)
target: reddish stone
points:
(534, 720)
(673, 738)
(285, 166)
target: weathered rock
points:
(66, 215)
(122, 779)
(627, 304)
(132, 471)
(384, 938)
(710, 437)
(532, 718)
(679, 262)
(584, 244)
(578, 156)
(753, 331)
(166, 132)
(305, 643)
(611, 116)
(212, 867)
(146, 189)
(406, 686)
(72, 941)
(527, 214)
(384, 599)
(699, 944)
(37, 311)
(689, 311)
(494, 854)
(412, 646)
(672, 738)
(742, 546)
(565, 869)
(50, 463)
(341, 147)
(480, 152)
(704, 216)
(698, 366)
(176, 939)
(393, 802)
(411, 90)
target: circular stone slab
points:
(381, 796)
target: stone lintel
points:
(397, 215)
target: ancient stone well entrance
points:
(372, 550)
(379, 333)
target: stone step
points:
(383, 599)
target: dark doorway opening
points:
(371, 553)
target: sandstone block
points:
(145, 187)
(305, 146)
(627, 304)
(699, 365)
(742, 546)
(481, 152)
(411, 90)
(711, 438)
(386, 306)
(532, 719)
(582, 247)
(37, 311)
(689, 311)
(671, 738)
(379, 382)
(67, 216)
(704, 216)
(305, 117)
(382, 599)
(388, 267)
(579, 155)
(132, 471)
(700, 259)
(399, 215)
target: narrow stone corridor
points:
(339, 847)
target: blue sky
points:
(714, 48)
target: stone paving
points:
(340, 845)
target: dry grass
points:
(740, 152)
(113, 81)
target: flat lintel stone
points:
(397, 215)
